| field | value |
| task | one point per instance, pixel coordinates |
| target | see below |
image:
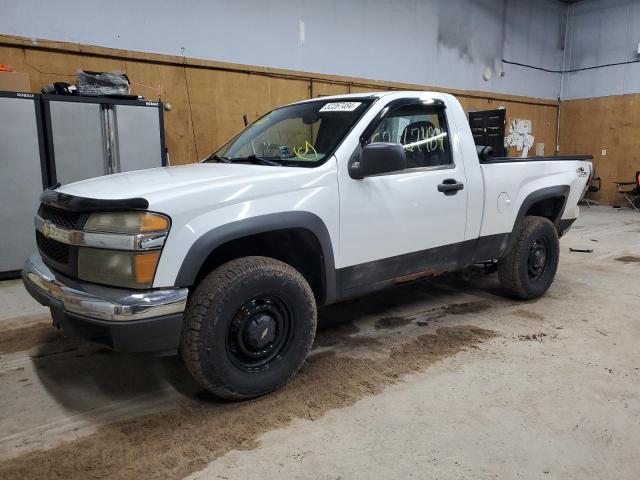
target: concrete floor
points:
(438, 379)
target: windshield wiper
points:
(218, 158)
(257, 160)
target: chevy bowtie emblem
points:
(46, 229)
(51, 231)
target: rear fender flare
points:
(533, 198)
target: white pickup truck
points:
(227, 260)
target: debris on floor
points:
(628, 259)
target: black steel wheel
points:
(248, 327)
(527, 270)
(537, 261)
(259, 332)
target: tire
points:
(528, 269)
(248, 327)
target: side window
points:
(423, 132)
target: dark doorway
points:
(487, 127)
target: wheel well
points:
(297, 247)
(550, 208)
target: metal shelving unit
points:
(50, 139)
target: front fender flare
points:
(207, 243)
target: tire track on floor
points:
(174, 443)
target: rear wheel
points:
(528, 269)
(249, 326)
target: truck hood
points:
(220, 181)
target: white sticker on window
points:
(340, 107)
(402, 124)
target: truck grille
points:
(55, 251)
(57, 255)
(62, 218)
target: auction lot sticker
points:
(340, 107)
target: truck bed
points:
(487, 155)
(535, 159)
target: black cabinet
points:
(487, 128)
(89, 137)
(49, 139)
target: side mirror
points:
(377, 158)
(485, 154)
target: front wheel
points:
(528, 269)
(248, 327)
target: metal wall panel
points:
(20, 180)
(603, 34)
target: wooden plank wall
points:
(610, 123)
(210, 98)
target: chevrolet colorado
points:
(226, 261)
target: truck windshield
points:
(303, 134)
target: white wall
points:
(432, 42)
(602, 32)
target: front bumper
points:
(126, 320)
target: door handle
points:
(450, 186)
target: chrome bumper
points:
(94, 301)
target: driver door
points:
(400, 224)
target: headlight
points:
(118, 268)
(122, 249)
(127, 222)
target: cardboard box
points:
(14, 82)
